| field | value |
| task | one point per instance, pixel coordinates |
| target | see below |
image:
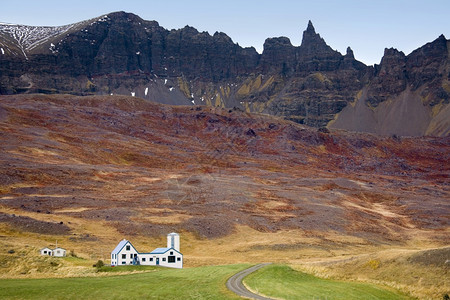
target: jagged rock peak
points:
(350, 53)
(222, 36)
(311, 39)
(393, 52)
(189, 30)
(310, 27)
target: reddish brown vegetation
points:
(32, 225)
(129, 162)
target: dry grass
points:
(325, 255)
(392, 267)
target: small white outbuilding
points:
(57, 252)
(46, 251)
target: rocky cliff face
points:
(317, 84)
(408, 95)
(312, 84)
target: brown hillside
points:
(94, 170)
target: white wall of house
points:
(171, 258)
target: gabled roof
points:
(46, 248)
(119, 246)
(122, 244)
(59, 249)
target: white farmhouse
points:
(126, 254)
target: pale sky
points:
(366, 26)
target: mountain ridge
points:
(120, 53)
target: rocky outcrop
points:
(309, 84)
(428, 70)
(408, 95)
(120, 53)
(315, 55)
(279, 57)
(390, 78)
(214, 58)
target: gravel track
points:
(235, 284)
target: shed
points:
(46, 251)
(59, 252)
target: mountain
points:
(311, 84)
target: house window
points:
(164, 259)
(178, 258)
(124, 256)
(171, 252)
(45, 252)
(128, 247)
(131, 256)
(151, 258)
(171, 259)
(123, 263)
(143, 259)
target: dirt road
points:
(235, 284)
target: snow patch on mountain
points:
(103, 19)
(29, 37)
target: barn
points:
(126, 254)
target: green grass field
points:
(191, 283)
(157, 283)
(285, 283)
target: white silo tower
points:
(173, 241)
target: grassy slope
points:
(286, 283)
(193, 283)
(423, 274)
